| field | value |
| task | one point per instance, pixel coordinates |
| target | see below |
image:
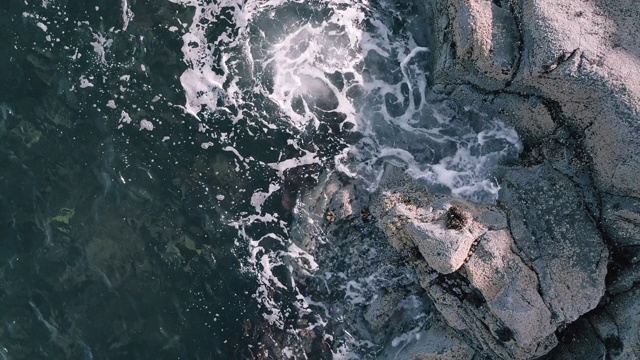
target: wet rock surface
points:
(512, 280)
(369, 289)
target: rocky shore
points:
(552, 269)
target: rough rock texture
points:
(411, 218)
(566, 75)
(610, 332)
(486, 42)
(496, 302)
(553, 269)
(439, 342)
(581, 56)
(510, 289)
(507, 281)
(556, 235)
(529, 116)
(367, 289)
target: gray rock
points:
(581, 56)
(579, 341)
(330, 196)
(625, 280)
(527, 114)
(510, 290)
(486, 42)
(621, 219)
(412, 219)
(381, 309)
(566, 75)
(444, 249)
(611, 332)
(476, 280)
(557, 238)
(624, 311)
(500, 308)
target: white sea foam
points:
(146, 125)
(258, 198)
(84, 82)
(203, 87)
(127, 15)
(302, 61)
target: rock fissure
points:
(519, 42)
(519, 254)
(472, 249)
(559, 61)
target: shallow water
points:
(152, 158)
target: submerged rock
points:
(439, 342)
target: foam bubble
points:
(146, 125)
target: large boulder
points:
(507, 280)
(566, 75)
(556, 235)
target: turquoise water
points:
(153, 155)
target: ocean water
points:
(153, 158)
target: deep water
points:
(153, 155)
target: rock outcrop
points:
(506, 283)
(566, 75)
(552, 270)
(556, 235)
(581, 58)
